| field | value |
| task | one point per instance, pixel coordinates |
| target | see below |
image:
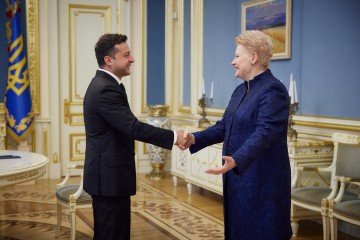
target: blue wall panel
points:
(187, 54)
(221, 26)
(155, 52)
(325, 54)
(330, 77)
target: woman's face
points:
(242, 63)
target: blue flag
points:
(19, 115)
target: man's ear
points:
(108, 60)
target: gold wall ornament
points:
(351, 139)
(45, 135)
(66, 111)
(77, 143)
(157, 110)
(55, 158)
(331, 126)
(32, 30)
(8, 181)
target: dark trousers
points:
(111, 218)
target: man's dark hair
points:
(105, 46)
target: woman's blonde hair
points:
(259, 42)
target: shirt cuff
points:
(175, 137)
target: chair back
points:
(347, 155)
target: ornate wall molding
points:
(332, 126)
(32, 28)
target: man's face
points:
(120, 63)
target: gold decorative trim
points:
(169, 62)
(76, 119)
(75, 10)
(158, 110)
(55, 158)
(312, 134)
(32, 28)
(145, 151)
(143, 55)
(45, 135)
(325, 117)
(327, 125)
(23, 177)
(210, 112)
(33, 140)
(313, 157)
(181, 33)
(309, 143)
(75, 142)
(346, 138)
(197, 32)
(79, 166)
(184, 109)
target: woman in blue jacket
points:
(253, 129)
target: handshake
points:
(184, 139)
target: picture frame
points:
(273, 17)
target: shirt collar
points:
(111, 74)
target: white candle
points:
(212, 89)
(291, 90)
(200, 90)
(203, 86)
(296, 100)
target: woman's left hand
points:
(228, 165)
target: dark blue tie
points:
(122, 87)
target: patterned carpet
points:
(28, 212)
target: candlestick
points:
(204, 102)
(292, 133)
(294, 107)
(203, 86)
(296, 100)
(291, 90)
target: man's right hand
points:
(181, 139)
(184, 139)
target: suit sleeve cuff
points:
(175, 137)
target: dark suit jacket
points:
(111, 129)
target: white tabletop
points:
(25, 167)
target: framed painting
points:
(273, 17)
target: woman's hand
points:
(228, 165)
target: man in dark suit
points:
(111, 128)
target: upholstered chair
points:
(317, 199)
(71, 196)
(347, 174)
(348, 211)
